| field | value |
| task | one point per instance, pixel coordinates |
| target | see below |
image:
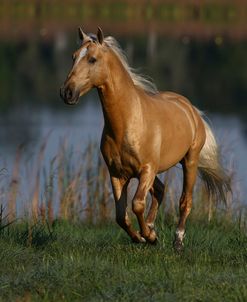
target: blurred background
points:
(195, 48)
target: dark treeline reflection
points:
(212, 74)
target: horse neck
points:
(119, 98)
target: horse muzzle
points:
(70, 96)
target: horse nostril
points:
(69, 94)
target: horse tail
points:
(214, 176)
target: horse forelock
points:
(93, 37)
(139, 80)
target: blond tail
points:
(217, 182)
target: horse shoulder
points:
(121, 158)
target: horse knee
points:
(138, 206)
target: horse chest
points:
(122, 160)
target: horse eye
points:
(73, 57)
(92, 60)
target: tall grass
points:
(74, 185)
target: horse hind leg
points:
(190, 163)
(157, 193)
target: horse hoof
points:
(178, 246)
(152, 238)
(142, 240)
(138, 238)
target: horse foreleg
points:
(119, 187)
(189, 164)
(157, 193)
(139, 202)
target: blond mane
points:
(139, 80)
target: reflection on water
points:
(212, 73)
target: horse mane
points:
(139, 80)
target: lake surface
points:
(211, 72)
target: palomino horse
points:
(145, 133)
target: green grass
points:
(79, 262)
(83, 256)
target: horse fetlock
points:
(150, 225)
(178, 242)
(152, 238)
(145, 231)
(149, 234)
(180, 235)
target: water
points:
(210, 72)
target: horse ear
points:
(82, 35)
(100, 35)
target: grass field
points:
(61, 244)
(80, 262)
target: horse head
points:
(88, 69)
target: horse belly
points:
(174, 147)
(170, 159)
